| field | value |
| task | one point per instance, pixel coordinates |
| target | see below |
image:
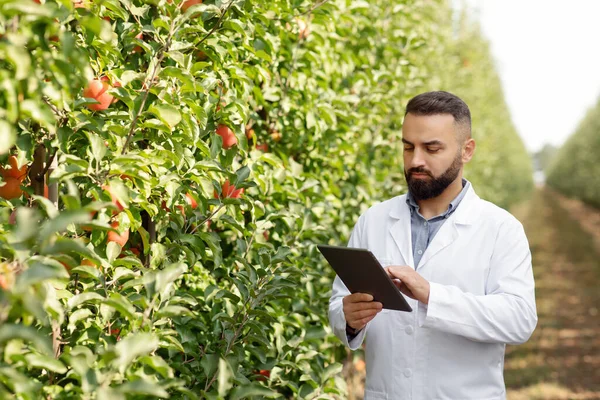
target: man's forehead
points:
(428, 128)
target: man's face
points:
(432, 155)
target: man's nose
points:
(417, 159)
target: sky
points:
(548, 56)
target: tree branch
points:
(214, 28)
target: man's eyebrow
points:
(434, 142)
(430, 143)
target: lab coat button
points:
(407, 372)
(409, 330)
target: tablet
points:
(361, 273)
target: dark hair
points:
(440, 102)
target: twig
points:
(61, 114)
(47, 167)
(207, 218)
(214, 28)
(313, 8)
(148, 84)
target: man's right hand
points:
(359, 309)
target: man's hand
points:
(359, 309)
(409, 282)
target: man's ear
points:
(468, 150)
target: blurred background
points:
(544, 56)
(229, 138)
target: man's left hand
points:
(409, 282)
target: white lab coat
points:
(482, 297)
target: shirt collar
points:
(410, 200)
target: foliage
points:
(573, 170)
(217, 292)
(501, 170)
(542, 159)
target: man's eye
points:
(433, 150)
(409, 148)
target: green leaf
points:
(159, 365)
(210, 363)
(167, 276)
(78, 315)
(64, 219)
(132, 347)
(108, 393)
(168, 114)
(27, 225)
(19, 57)
(145, 239)
(254, 389)
(224, 377)
(172, 311)
(19, 383)
(48, 206)
(97, 146)
(45, 362)
(87, 270)
(40, 269)
(84, 297)
(40, 112)
(113, 250)
(143, 387)
(11, 331)
(121, 304)
(64, 245)
(8, 136)
(242, 174)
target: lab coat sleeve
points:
(506, 313)
(337, 320)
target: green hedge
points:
(226, 299)
(574, 169)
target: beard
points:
(423, 189)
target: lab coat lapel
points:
(444, 238)
(400, 230)
(449, 231)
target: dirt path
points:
(562, 358)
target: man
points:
(463, 263)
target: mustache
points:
(419, 170)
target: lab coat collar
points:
(465, 214)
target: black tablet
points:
(361, 273)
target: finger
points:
(364, 305)
(355, 307)
(397, 271)
(360, 323)
(406, 291)
(358, 297)
(390, 271)
(359, 315)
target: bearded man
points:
(463, 263)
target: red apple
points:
(229, 191)
(138, 49)
(228, 136)
(120, 238)
(97, 90)
(262, 147)
(191, 201)
(188, 3)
